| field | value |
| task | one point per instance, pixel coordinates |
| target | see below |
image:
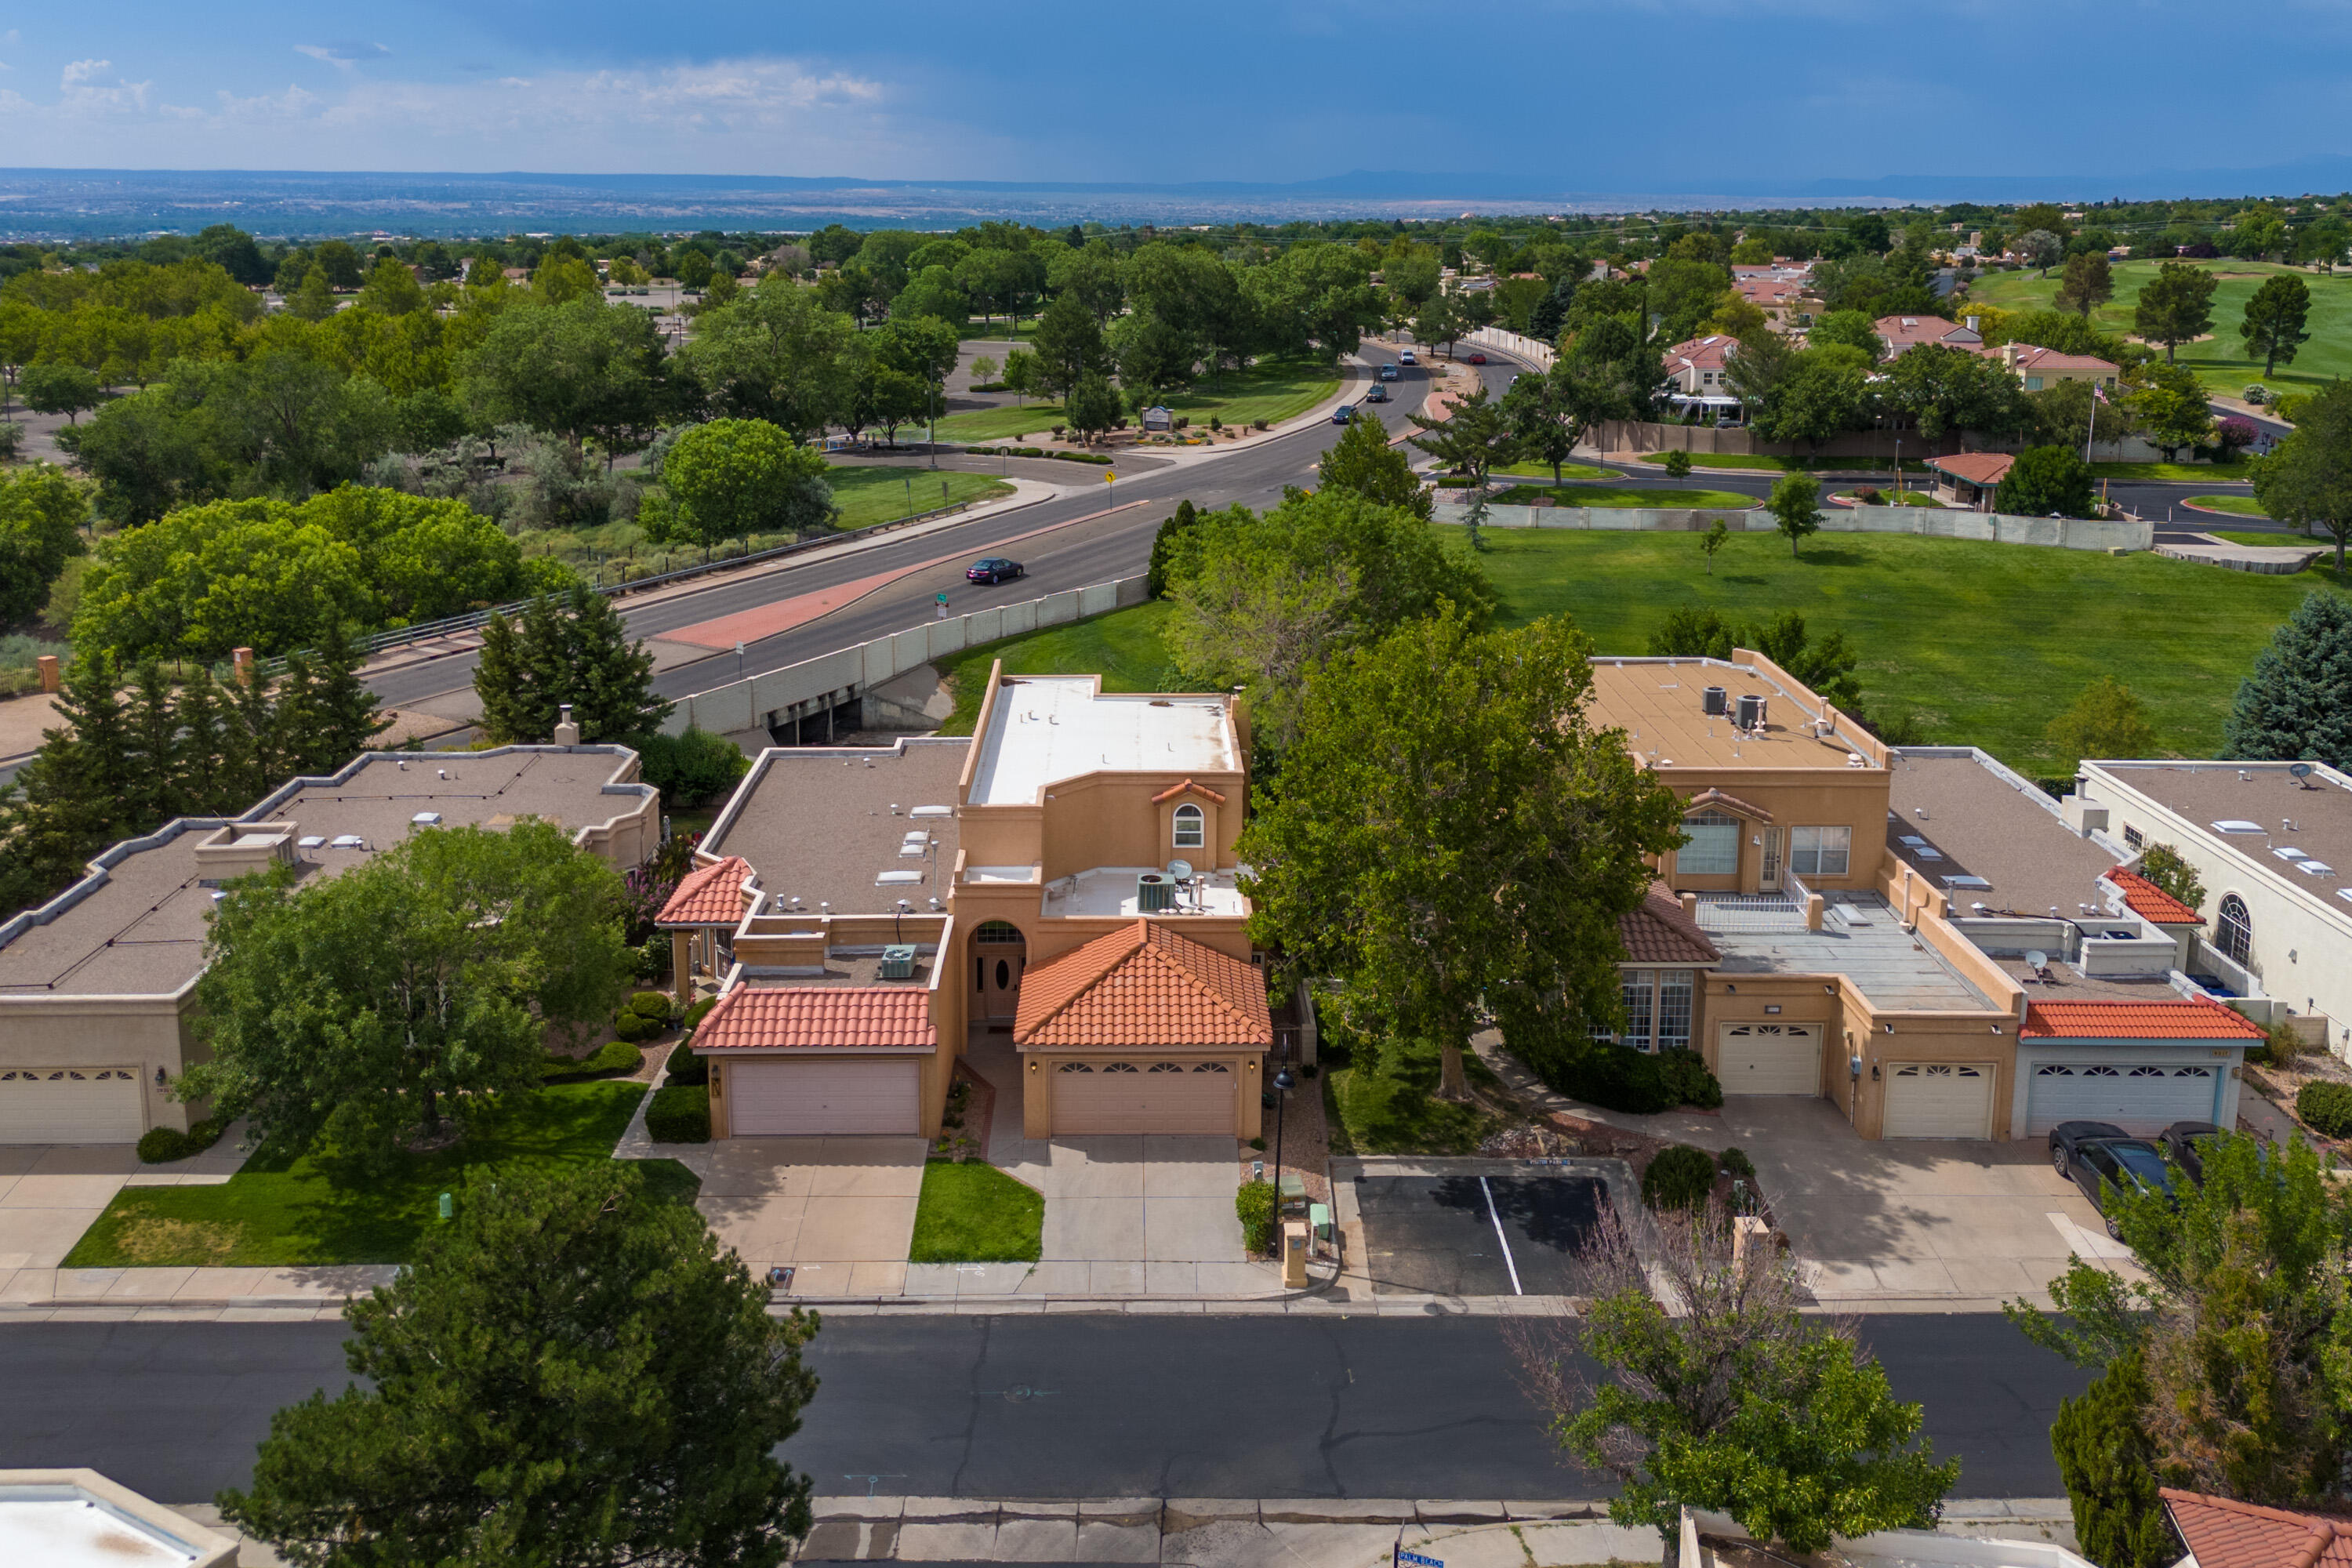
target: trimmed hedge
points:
(1736, 1162)
(615, 1058)
(1253, 1206)
(1689, 1081)
(1615, 1077)
(679, 1114)
(1680, 1177)
(2325, 1108)
(161, 1145)
(643, 1016)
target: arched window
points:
(997, 932)
(1190, 828)
(2237, 929)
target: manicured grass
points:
(1567, 472)
(1772, 465)
(870, 495)
(311, 1208)
(2184, 473)
(2281, 542)
(2220, 361)
(1899, 498)
(2244, 506)
(1627, 496)
(1273, 390)
(1984, 643)
(974, 1213)
(1127, 648)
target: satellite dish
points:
(1180, 869)
(2299, 771)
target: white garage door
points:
(2139, 1099)
(868, 1094)
(1939, 1100)
(69, 1105)
(1143, 1097)
(1769, 1059)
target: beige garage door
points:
(1939, 1100)
(868, 1094)
(1769, 1059)
(69, 1105)
(1143, 1097)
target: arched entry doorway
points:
(999, 953)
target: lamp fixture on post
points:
(1283, 1084)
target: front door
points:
(999, 981)
(1769, 881)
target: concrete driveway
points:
(840, 1212)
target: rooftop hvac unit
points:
(1751, 712)
(1714, 701)
(426, 819)
(897, 962)
(1154, 893)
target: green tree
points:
(1449, 833)
(1945, 388)
(2272, 325)
(1068, 344)
(1825, 393)
(1827, 666)
(2086, 284)
(2176, 306)
(2172, 410)
(2164, 866)
(693, 768)
(54, 388)
(314, 299)
(1795, 504)
(339, 263)
(2107, 1465)
(1718, 1393)
(1717, 535)
(933, 293)
(561, 279)
(2041, 248)
(566, 648)
(2296, 705)
(1021, 372)
(1092, 406)
(1361, 462)
(2109, 720)
(374, 1006)
(733, 478)
(41, 514)
(776, 354)
(580, 370)
(1473, 436)
(2046, 481)
(573, 1372)
(1852, 328)
(1261, 601)
(2307, 480)
(391, 290)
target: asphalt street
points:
(1026, 1406)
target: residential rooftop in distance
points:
(2247, 806)
(1659, 702)
(1984, 834)
(826, 825)
(137, 926)
(1043, 729)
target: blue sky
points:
(1593, 95)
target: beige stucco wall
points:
(141, 1033)
(1247, 1067)
(1852, 798)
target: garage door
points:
(69, 1105)
(2140, 1099)
(1769, 1059)
(1939, 1100)
(858, 1095)
(1143, 1097)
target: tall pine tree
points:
(2296, 706)
(575, 648)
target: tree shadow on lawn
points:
(310, 1205)
(1832, 555)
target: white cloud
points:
(344, 56)
(79, 90)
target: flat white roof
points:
(1043, 729)
(67, 1531)
(1112, 891)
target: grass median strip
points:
(974, 1213)
(2237, 506)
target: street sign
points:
(1415, 1560)
(1110, 478)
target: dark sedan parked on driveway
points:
(2099, 1157)
(2184, 1141)
(992, 570)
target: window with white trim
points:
(1714, 847)
(1190, 828)
(1820, 851)
(2236, 929)
(1658, 1003)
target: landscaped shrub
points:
(160, 1145)
(1688, 1081)
(1678, 1178)
(1613, 1078)
(1736, 1162)
(679, 1114)
(2325, 1108)
(1254, 1204)
(698, 1011)
(643, 1016)
(615, 1058)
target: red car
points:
(1475, 359)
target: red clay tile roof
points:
(2186, 1019)
(1706, 798)
(1659, 932)
(2150, 902)
(820, 1017)
(1904, 331)
(1143, 986)
(1702, 353)
(712, 896)
(1975, 468)
(2031, 358)
(1172, 791)
(2224, 1533)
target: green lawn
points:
(2219, 360)
(284, 1210)
(2326, 570)
(974, 1213)
(1567, 472)
(2243, 506)
(1273, 390)
(870, 495)
(1627, 496)
(1126, 647)
(2183, 473)
(1900, 498)
(1762, 464)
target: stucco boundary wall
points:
(1998, 527)
(846, 672)
(1534, 351)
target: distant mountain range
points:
(66, 204)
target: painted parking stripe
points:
(1496, 1214)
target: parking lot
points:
(1477, 1235)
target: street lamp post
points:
(1283, 1084)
